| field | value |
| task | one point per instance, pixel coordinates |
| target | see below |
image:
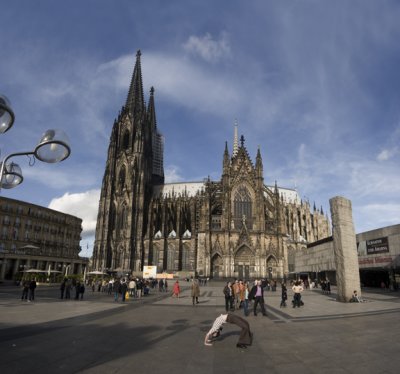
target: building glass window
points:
(242, 206)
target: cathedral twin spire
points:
(144, 121)
(135, 100)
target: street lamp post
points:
(53, 147)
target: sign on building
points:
(149, 272)
(379, 245)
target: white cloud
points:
(383, 155)
(207, 48)
(187, 84)
(61, 177)
(83, 205)
(172, 174)
(373, 216)
(387, 154)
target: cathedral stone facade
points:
(234, 227)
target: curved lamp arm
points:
(3, 167)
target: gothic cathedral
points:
(234, 227)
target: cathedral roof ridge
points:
(187, 188)
(177, 183)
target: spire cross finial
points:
(138, 53)
(242, 140)
(235, 140)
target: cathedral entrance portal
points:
(244, 260)
(272, 267)
(217, 266)
(244, 271)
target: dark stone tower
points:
(134, 163)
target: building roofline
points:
(39, 206)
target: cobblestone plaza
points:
(161, 334)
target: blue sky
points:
(315, 84)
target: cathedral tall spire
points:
(259, 163)
(135, 99)
(152, 111)
(235, 140)
(226, 158)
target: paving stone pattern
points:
(161, 334)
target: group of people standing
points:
(67, 285)
(28, 290)
(238, 295)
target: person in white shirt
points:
(297, 289)
(132, 288)
(245, 338)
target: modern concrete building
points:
(33, 237)
(378, 258)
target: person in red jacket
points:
(176, 290)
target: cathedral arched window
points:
(125, 140)
(171, 258)
(242, 208)
(123, 218)
(121, 178)
(155, 255)
(186, 264)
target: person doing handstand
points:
(245, 338)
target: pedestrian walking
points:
(245, 337)
(110, 286)
(68, 289)
(328, 287)
(124, 290)
(139, 287)
(297, 289)
(160, 285)
(228, 293)
(25, 290)
(132, 288)
(77, 290)
(283, 296)
(116, 289)
(236, 294)
(176, 290)
(81, 289)
(246, 299)
(257, 293)
(62, 287)
(195, 291)
(32, 288)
